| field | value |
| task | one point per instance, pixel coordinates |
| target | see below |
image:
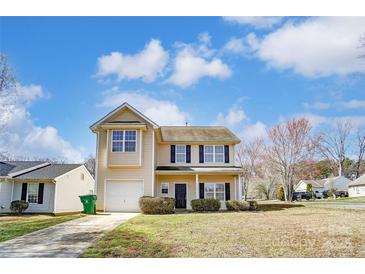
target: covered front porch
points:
(187, 185)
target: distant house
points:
(357, 187)
(48, 188)
(317, 185)
(338, 183)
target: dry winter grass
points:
(277, 230)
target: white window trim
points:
(168, 187)
(180, 153)
(214, 147)
(123, 141)
(37, 184)
(214, 191)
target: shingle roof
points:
(7, 167)
(48, 172)
(359, 181)
(197, 134)
(315, 183)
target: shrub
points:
(233, 205)
(205, 204)
(309, 188)
(280, 195)
(157, 205)
(253, 205)
(18, 206)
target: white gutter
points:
(11, 175)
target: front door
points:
(180, 195)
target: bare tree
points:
(266, 186)
(248, 156)
(360, 152)
(7, 77)
(334, 144)
(290, 146)
(90, 164)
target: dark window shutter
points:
(24, 191)
(40, 193)
(226, 154)
(201, 190)
(172, 154)
(228, 191)
(188, 153)
(201, 154)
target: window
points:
(164, 188)
(124, 140)
(214, 191)
(32, 193)
(214, 154)
(82, 176)
(180, 153)
(357, 190)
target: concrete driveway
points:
(66, 240)
(334, 204)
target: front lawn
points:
(278, 230)
(355, 200)
(15, 226)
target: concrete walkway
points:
(66, 240)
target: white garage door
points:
(123, 195)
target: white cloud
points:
(195, 61)
(316, 47)
(19, 135)
(258, 22)
(189, 68)
(147, 64)
(234, 116)
(317, 105)
(253, 131)
(353, 104)
(235, 45)
(163, 112)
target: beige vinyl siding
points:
(124, 158)
(164, 157)
(69, 187)
(143, 172)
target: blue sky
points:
(246, 73)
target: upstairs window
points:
(124, 140)
(214, 154)
(180, 154)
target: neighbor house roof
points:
(51, 171)
(315, 183)
(211, 134)
(359, 181)
(11, 167)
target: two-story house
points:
(136, 157)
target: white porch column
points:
(235, 188)
(239, 188)
(197, 186)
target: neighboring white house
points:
(317, 185)
(357, 187)
(48, 188)
(339, 183)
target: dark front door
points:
(180, 196)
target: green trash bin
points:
(88, 201)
